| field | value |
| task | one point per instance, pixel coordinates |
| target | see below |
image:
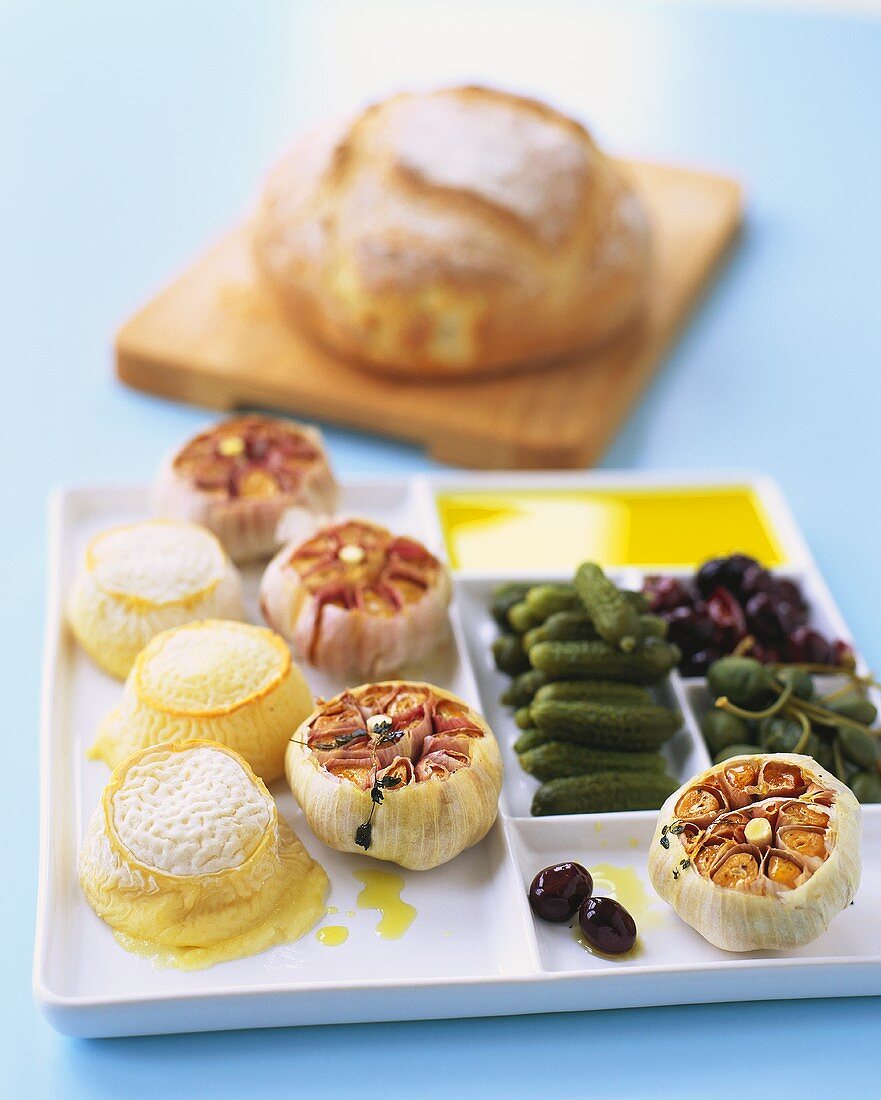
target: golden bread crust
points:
(458, 232)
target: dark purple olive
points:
(727, 618)
(806, 646)
(711, 574)
(696, 664)
(607, 926)
(736, 570)
(687, 627)
(557, 892)
(764, 618)
(756, 579)
(725, 573)
(790, 592)
(667, 593)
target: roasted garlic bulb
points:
(222, 681)
(188, 861)
(406, 772)
(138, 580)
(355, 600)
(758, 852)
(239, 477)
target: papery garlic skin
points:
(138, 580)
(742, 918)
(364, 616)
(425, 822)
(239, 478)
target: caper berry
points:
(721, 728)
(743, 681)
(866, 786)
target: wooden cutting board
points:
(215, 337)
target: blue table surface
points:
(131, 134)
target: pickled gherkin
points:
(604, 792)
(557, 759)
(544, 600)
(521, 618)
(529, 739)
(607, 725)
(600, 661)
(522, 688)
(608, 691)
(503, 599)
(523, 718)
(564, 626)
(615, 618)
(509, 655)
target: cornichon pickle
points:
(544, 600)
(652, 626)
(604, 792)
(857, 747)
(637, 600)
(509, 655)
(600, 661)
(735, 750)
(742, 680)
(607, 725)
(721, 729)
(503, 599)
(855, 706)
(523, 719)
(522, 688)
(608, 691)
(865, 785)
(557, 759)
(615, 618)
(529, 739)
(564, 626)
(521, 618)
(802, 681)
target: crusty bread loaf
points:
(452, 234)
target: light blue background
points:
(132, 133)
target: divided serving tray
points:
(473, 947)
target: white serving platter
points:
(473, 948)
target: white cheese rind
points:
(190, 813)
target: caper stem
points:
(805, 728)
(831, 718)
(830, 670)
(724, 703)
(743, 646)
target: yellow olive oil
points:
(532, 529)
(382, 891)
(332, 935)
